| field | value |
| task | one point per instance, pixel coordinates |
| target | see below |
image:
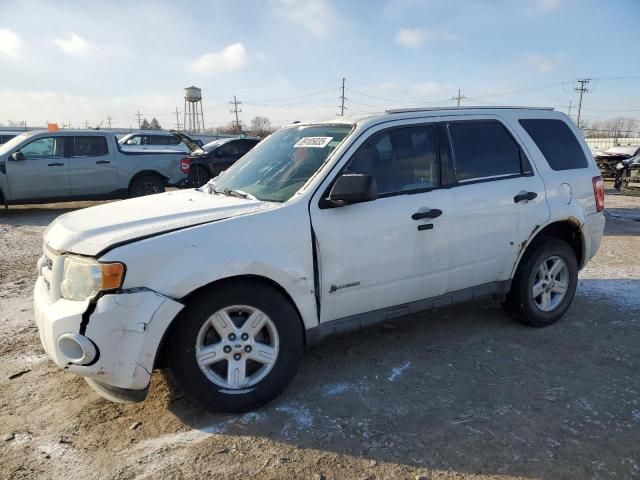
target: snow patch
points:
(616, 285)
(301, 414)
(336, 389)
(396, 372)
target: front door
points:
(43, 174)
(392, 250)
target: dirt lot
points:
(457, 393)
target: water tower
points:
(193, 115)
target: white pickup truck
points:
(41, 166)
(321, 228)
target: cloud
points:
(548, 5)
(230, 58)
(9, 42)
(545, 63)
(432, 89)
(314, 16)
(75, 45)
(416, 38)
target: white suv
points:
(322, 228)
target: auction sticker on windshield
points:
(313, 142)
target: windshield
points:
(282, 163)
(216, 143)
(11, 144)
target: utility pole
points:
(342, 99)
(581, 89)
(235, 110)
(177, 119)
(109, 118)
(86, 124)
(569, 110)
(459, 97)
(139, 115)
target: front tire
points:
(236, 346)
(545, 283)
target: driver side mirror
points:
(353, 188)
(17, 156)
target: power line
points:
(459, 97)
(177, 119)
(581, 89)
(342, 99)
(236, 111)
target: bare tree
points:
(619, 127)
(261, 126)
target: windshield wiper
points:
(238, 193)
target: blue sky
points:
(70, 61)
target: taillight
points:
(184, 165)
(598, 193)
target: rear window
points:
(557, 143)
(483, 149)
(90, 146)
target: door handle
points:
(102, 161)
(524, 196)
(56, 164)
(433, 213)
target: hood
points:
(188, 141)
(91, 230)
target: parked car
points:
(608, 159)
(322, 228)
(6, 136)
(628, 176)
(208, 161)
(154, 141)
(41, 166)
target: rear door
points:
(44, 173)
(92, 166)
(498, 200)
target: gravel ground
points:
(457, 393)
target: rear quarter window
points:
(557, 143)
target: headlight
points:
(84, 278)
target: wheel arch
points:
(160, 359)
(165, 179)
(568, 230)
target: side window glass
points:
(557, 143)
(90, 146)
(228, 149)
(137, 140)
(44, 147)
(400, 160)
(483, 149)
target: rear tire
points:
(198, 176)
(221, 373)
(146, 185)
(545, 283)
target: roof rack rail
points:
(431, 109)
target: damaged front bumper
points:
(112, 343)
